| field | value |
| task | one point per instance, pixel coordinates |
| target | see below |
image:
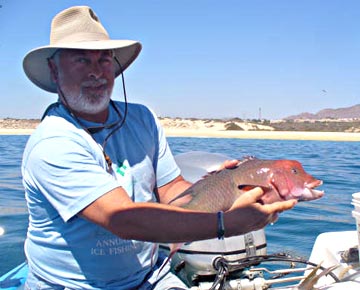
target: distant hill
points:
(352, 112)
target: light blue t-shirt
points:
(64, 171)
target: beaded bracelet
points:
(221, 226)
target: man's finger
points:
(251, 196)
(280, 206)
(254, 194)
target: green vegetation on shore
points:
(234, 124)
(314, 125)
(324, 125)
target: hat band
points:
(80, 37)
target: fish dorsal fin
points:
(214, 172)
(247, 158)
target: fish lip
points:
(313, 184)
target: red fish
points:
(280, 179)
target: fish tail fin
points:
(173, 249)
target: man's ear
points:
(53, 70)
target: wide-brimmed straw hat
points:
(77, 27)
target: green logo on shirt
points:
(122, 168)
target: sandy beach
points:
(202, 129)
(275, 135)
(7, 131)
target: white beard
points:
(82, 103)
(88, 104)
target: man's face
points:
(86, 78)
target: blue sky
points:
(205, 59)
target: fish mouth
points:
(308, 193)
(314, 193)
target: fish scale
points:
(223, 195)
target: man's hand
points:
(246, 210)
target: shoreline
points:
(265, 135)
(7, 131)
(213, 133)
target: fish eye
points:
(294, 170)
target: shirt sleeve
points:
(69, 173)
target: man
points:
(98, 173)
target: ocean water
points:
(336, 163)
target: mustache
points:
(94, 83)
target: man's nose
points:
(95, 70)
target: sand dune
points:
(217, 129)
(204, 128)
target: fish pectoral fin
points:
(177, 199)
(178, 196)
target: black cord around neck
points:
(126, 106)
(92, 130)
